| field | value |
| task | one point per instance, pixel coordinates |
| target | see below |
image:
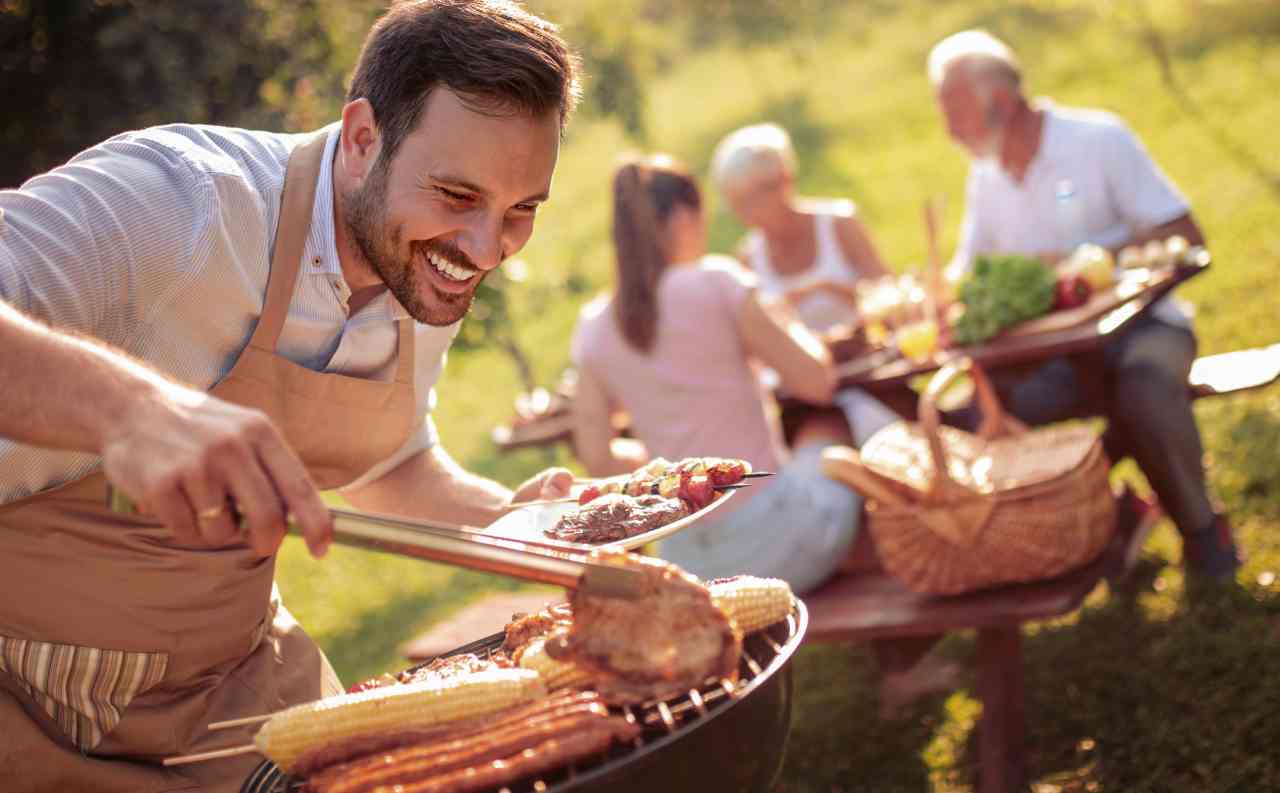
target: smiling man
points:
(207, 316)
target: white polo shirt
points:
(1118, 192)
(158, 242)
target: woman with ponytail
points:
(677, 346)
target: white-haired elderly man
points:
(1043, 179)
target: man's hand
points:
(188, 458)
(550, 484)
(178, 452)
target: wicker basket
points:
(952, 512)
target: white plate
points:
(528, 524)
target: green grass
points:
(1141, 694)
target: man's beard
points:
(988, 149)
(365, 219)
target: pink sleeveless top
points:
(696, 393)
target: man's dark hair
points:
(497, 57)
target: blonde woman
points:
(810, 252)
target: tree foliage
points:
(74, 72)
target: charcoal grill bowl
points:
(738, 745)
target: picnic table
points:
(1078, 333)
(1081, 329)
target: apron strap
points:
(286, 255)
(404, 352)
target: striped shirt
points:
(158, 242)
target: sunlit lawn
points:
(1130, 695)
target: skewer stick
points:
(216, 754)
(591, 480)
(226, 725)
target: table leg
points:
(1002, 732)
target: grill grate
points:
(662, 722)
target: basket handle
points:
(844, 465)
(995, 422)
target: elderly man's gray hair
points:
(981, 57)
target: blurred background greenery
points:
(1133, 694)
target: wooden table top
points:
(1047, 337)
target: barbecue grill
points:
(723, 736)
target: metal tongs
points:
(561, 564)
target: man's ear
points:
(361, 141)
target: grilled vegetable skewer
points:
(693, 480)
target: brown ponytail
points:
(645, 192)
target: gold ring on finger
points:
(208, 514)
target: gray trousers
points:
(1148, 410)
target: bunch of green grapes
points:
(1002, 291)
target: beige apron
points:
(117, 645)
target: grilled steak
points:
(524, 628)
(669, 640)
(451, 666)
(613, 517)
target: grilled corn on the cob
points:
(305, 728)
(555, 674)
(752, 603)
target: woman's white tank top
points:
(821, 310)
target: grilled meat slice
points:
(613, 517)
(450, 666)
(669, 640)
(524, 628)
(439, 669)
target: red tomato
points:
(589, 493)
(697, 490)
(1071, 291)
(727, 472)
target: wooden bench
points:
(867, 604)
(1231, 372)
